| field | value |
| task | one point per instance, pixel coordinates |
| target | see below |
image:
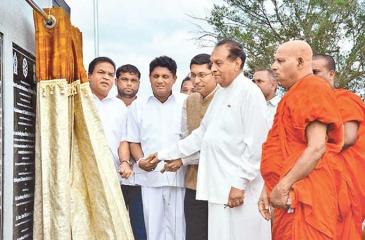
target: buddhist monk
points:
(298, 152)
(352, 111)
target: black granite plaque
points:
(24, 142)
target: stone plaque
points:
(24, 142)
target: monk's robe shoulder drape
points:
(352, 108)
(311, 99)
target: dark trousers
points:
(196, 217)
(133, 201)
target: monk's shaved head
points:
(292, 62)
(298, 48)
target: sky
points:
(137, 31)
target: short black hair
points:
(98, 60)
(200, 59)
(164, 61)
(128, 68)
(268, 70)
(331, 64)
(187, 78)
(235, 50)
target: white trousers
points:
(240, 223)
(164, 212)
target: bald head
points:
(299, 48)
(292, 62)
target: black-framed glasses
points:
(200, 75)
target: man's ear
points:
(238, 63)
(300, 62)
(332, 74)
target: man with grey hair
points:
(229, 139)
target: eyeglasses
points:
(199, 75)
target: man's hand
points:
(173, 165)
(149, 163)
(280, 195)
(236, 197)
(264, 204)
(125, 170)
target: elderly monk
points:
(298, 153)
(352, 111)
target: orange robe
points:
(352, 108)
(314, 198)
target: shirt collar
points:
(107, 98)
(211, 94)
(234, 82)
(240, 79)
(274, 101)
(124, 102)
(170, 98)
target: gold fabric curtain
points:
(77, 192)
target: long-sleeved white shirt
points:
(131, 181)
(113, 115)
(156, 125)
(229, 138)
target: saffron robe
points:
(352, 108)
(314, 198)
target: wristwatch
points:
(127, 161)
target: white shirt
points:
(156, 125)
(272, 104)
(113, 115)
(131, 181)
(229, 139)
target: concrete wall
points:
(16, 24)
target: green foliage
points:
(333, 27)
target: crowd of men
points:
(228, 158)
